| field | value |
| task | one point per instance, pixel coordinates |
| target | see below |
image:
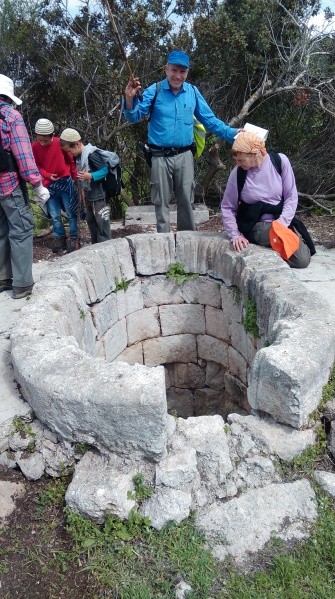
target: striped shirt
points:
(14, 137)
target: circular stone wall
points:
(89, 346)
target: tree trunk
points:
(215, 165)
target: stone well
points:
(107, 342)
(108, 345)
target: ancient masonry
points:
(163, 378)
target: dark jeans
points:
(54, 207)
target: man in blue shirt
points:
(170, 137)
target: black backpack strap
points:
(7, 161)
(297, 224)
(2, 118)
(195, 94)
(276, 161)
(158, 86)
(241, 177)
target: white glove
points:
(41, 195)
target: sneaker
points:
(19, 292)
(72, 245)
(59, 244)
(6, 284)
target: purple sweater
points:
(262, 184)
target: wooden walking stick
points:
(121, 45)
(81, 202)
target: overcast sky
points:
(73, 6)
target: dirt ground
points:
(321, 229)
(34, 538)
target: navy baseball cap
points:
(180, 58)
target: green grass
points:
(131, 560)
(138, 561)
(306, 572)
(328, 392)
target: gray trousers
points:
(300, 259)
(98, 220)
(16, 239)
(175, 174)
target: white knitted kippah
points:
(44, 127)
(70, 135)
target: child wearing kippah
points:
(91, 173)
(58, 171)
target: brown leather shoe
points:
(20, 292)
(6, 284)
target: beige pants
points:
(300, 259)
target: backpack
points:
(6, 159)
(199, 130)
(113, 181)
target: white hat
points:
(44, 127)
(70, 135)
(7, 89)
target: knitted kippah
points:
(70, 135)
(44, 127)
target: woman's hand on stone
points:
(240, 243)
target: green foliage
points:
(308, 461)
(237, 293)
(121, 285)
(31, 446)
(18, 424)
(318, 211)
(41, 222)
(22, 427)
(83, 447)
(135, 561)
(54, 495)
(246, 44)
(250, 318)
(177, 272)
(328, 392)
(89, 536)
(82, 314)
(141, 491)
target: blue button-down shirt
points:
(171, 122)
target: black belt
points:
(168, 152)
